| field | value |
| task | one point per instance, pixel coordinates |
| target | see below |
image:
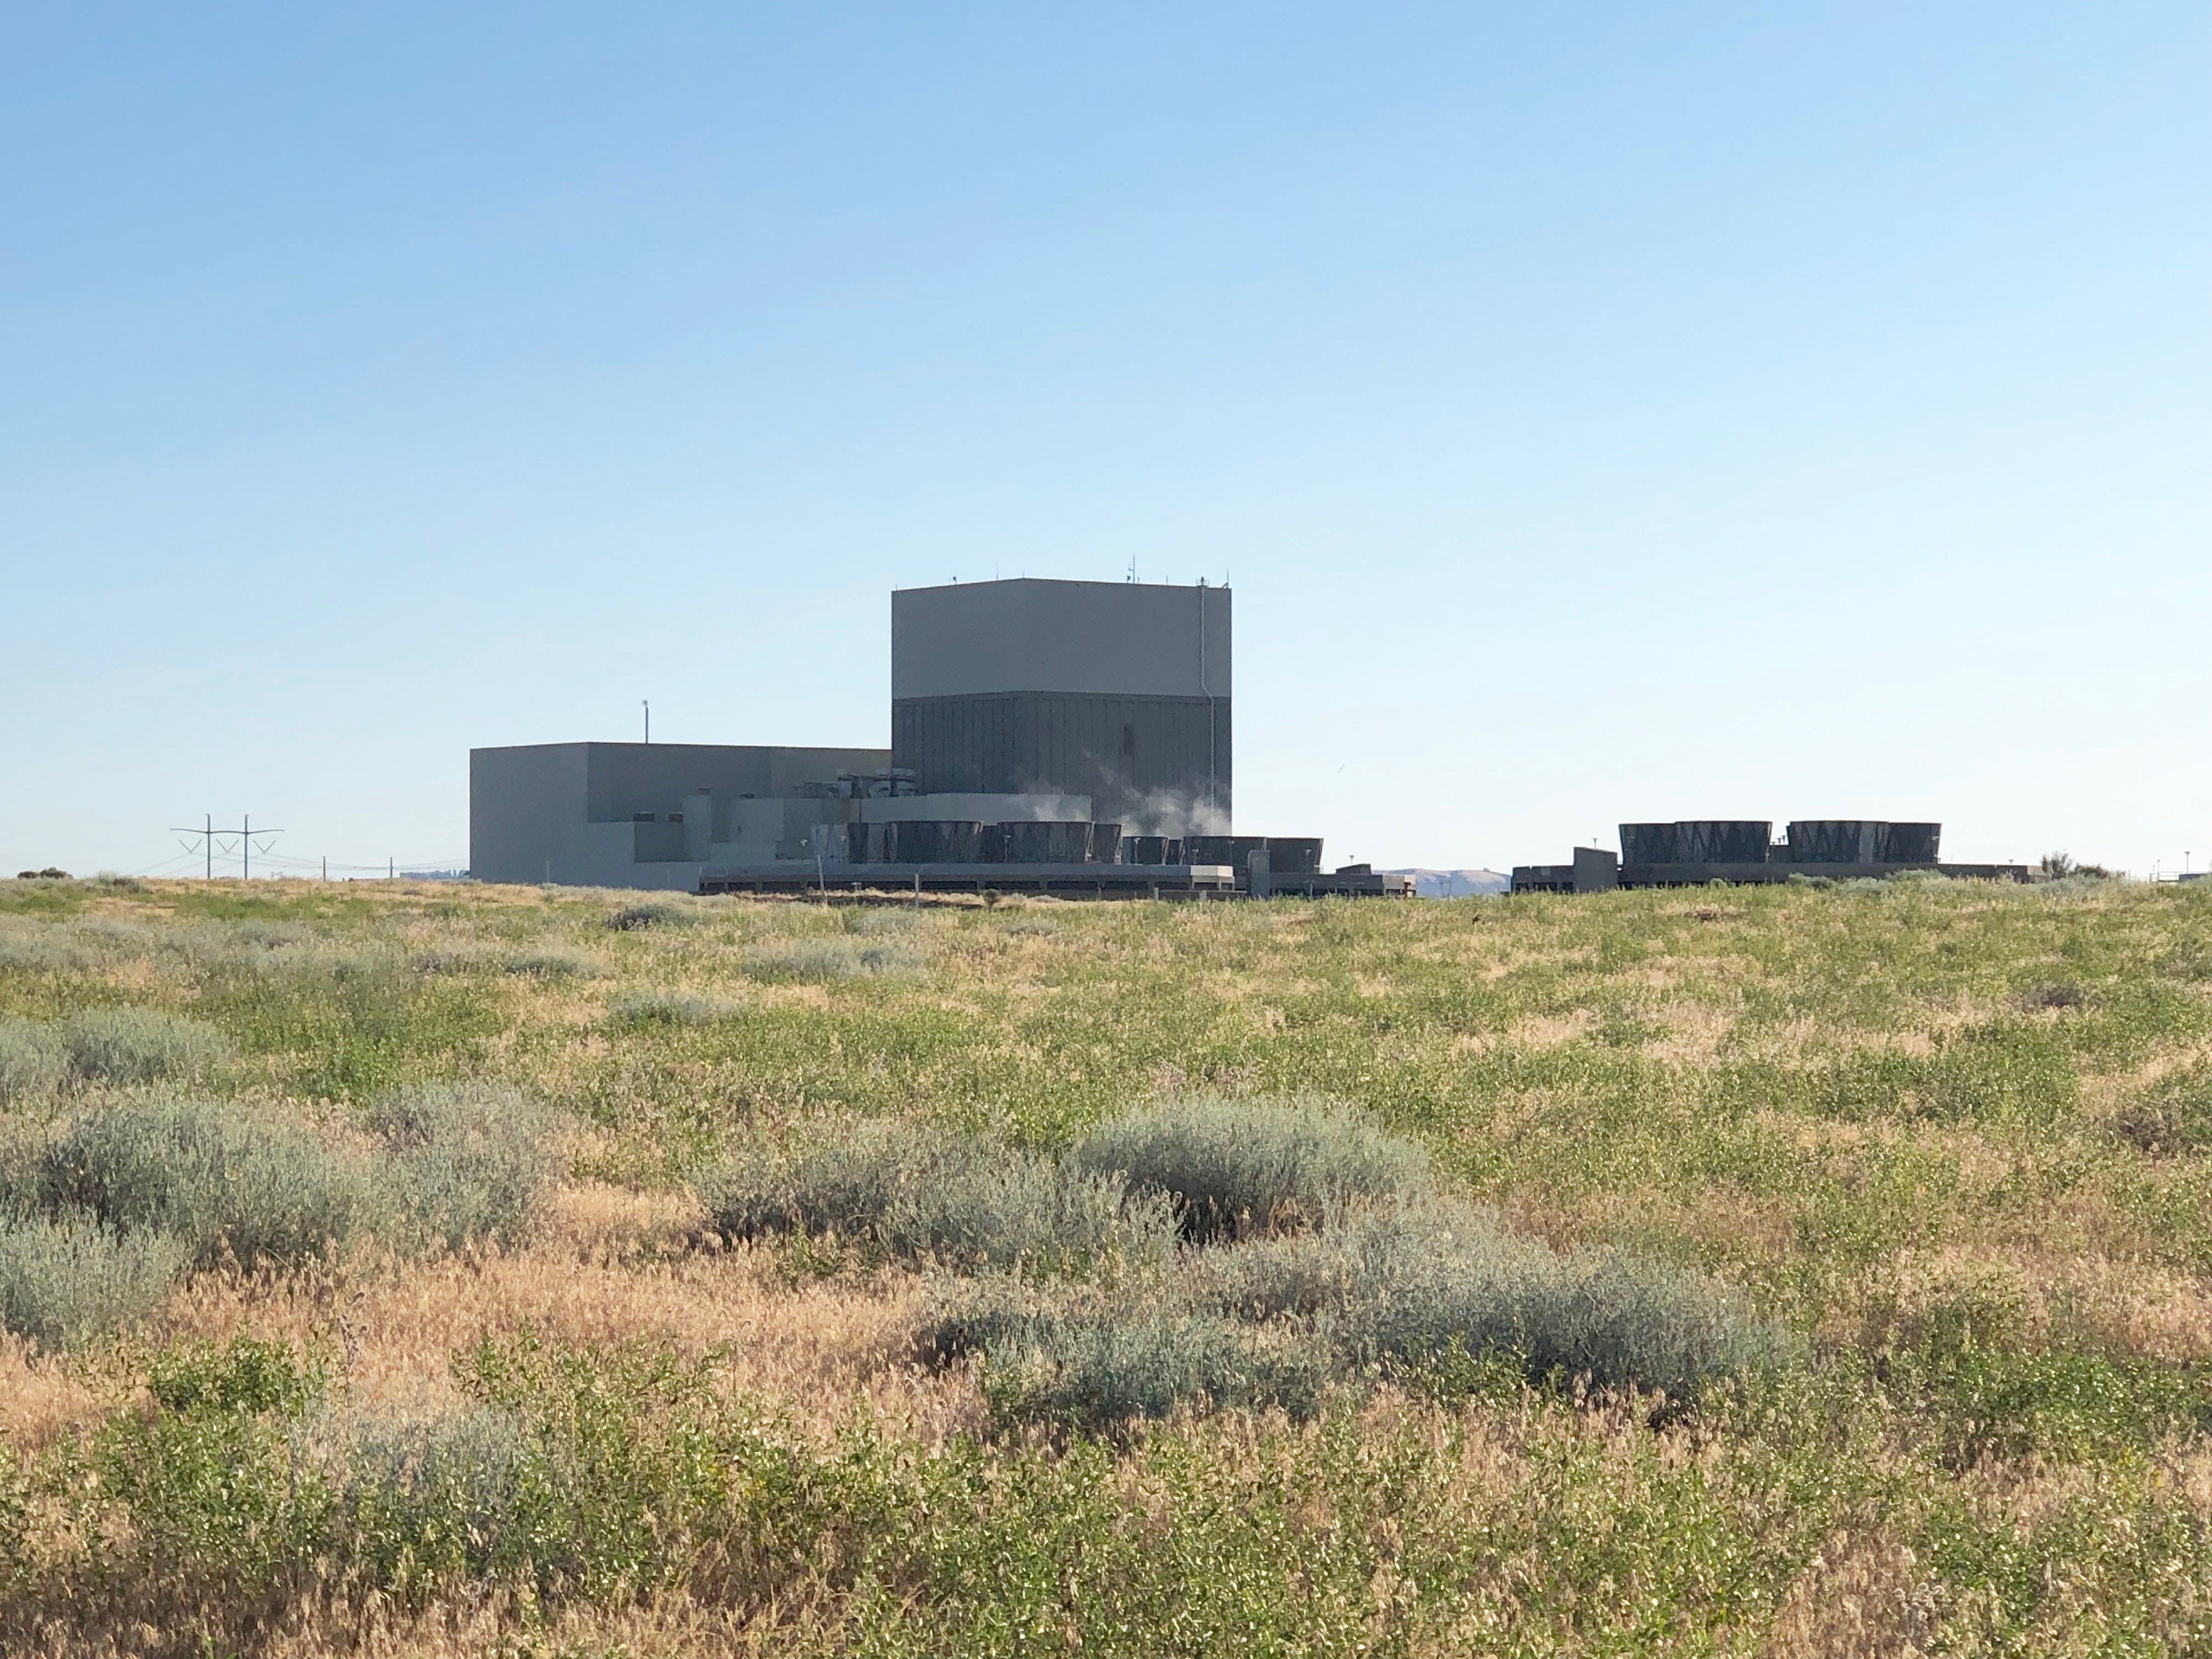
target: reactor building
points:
(1115, 691)
(1055, 736)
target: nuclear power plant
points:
(1049, 737)
(1691, 852)
(1054, 737)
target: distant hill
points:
(1454, 884)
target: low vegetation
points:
(832, 958)
(411, 1268)
(104, 1046)
(1234, 1168)
(929, 1198)
(645, 1009)
(465, 1163)
(229, 1181)
(62, 1282)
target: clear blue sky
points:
(1744, 411)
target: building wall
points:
(568, 811)
(1117, 690)
(628, 778)
(1156, 765)
(1596, 871)
(974, 809)
(1127, 639)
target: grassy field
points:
(404, 1269)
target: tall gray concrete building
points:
(1025, 701)
(1116, 690)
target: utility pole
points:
(245, 832)
(648, 701)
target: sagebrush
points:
(1795, 1270)
(1238, 1166)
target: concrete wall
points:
(974, 809)
(1596, 871)
(526, 811)
(1156, 765)
(628, 778)
(568, 811)
(1122, 639)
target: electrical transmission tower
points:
(207, 838)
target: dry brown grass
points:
(1866, 1595)
(42, 1395)
(612, 1267)
(1557, 1056)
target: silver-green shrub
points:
(1410, 1288)
(654, 912)
(64, 1281)
(837, 956)
(1004, 1209)
(448, 959)
(1419, 1293)
(31, 1061)
(876, 921)
(114, 939)
(23, 1142)
(551, 963)
(236, 947)
(30, 946)
(1616, 1318)
(1098, 1361)
(135, 1045)
(648, 1008)
(467, 1160)
(223, 1178)
(843, 1183)
(917, 1194)
(1236, 1167)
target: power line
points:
(204, 842)
(162, 866)
(207, 837)
(292, 862)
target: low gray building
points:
(646, 814)
(1691, 851)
